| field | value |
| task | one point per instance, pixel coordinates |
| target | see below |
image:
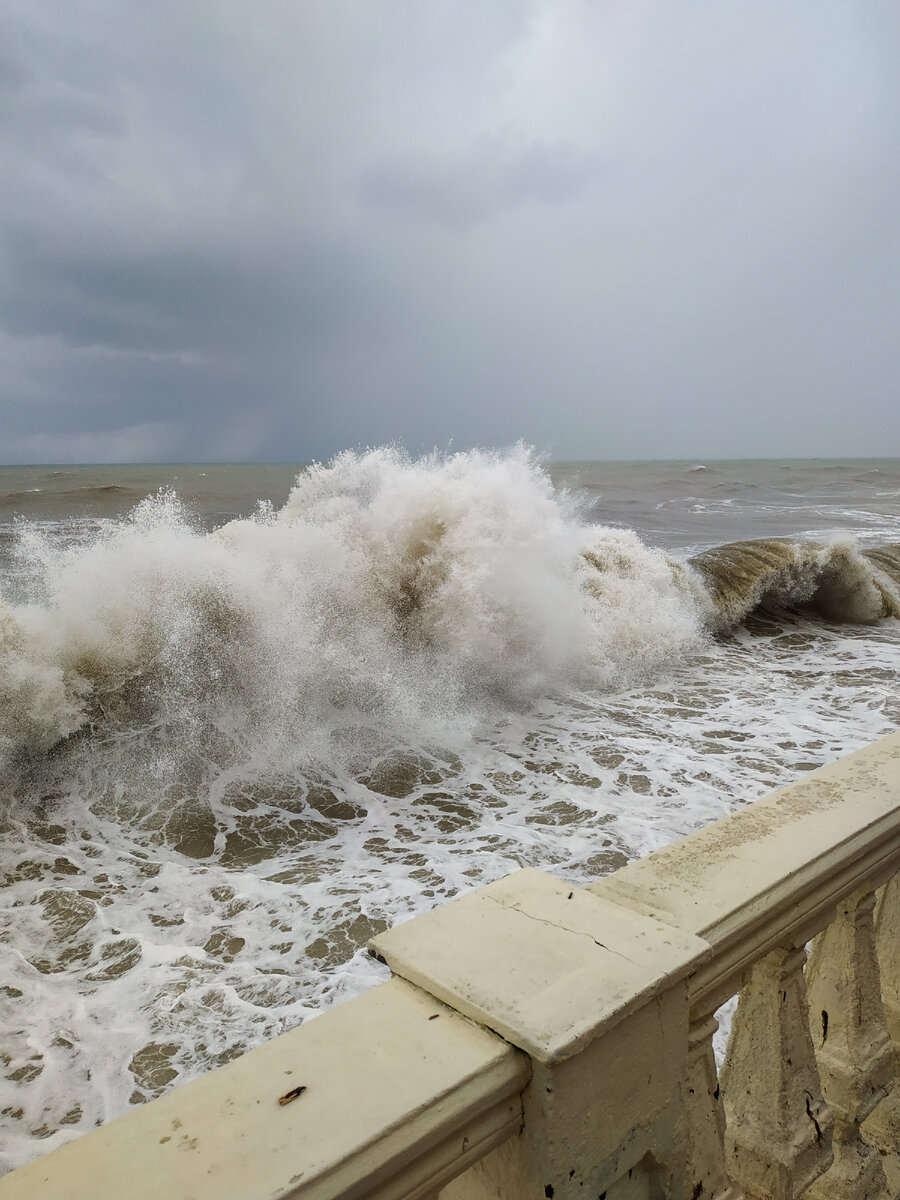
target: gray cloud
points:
(490, 178)
(654, 229)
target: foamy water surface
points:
(234, 749)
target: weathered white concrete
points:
(778, 1134)
(855, 1054)
(705, 1115)
(546, 965)
(887, 935)
(596, 994)
(882, 1127)
(612, 1115)
(399, 1095)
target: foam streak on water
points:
(232, 756)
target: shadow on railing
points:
(540, 1040)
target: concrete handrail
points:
(385, 1097)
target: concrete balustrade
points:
(540, 1040)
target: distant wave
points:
(42, 496)
(105, 489)
(832, 580)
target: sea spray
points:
(388, 594)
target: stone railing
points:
(541, 1040)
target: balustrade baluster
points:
(706, 1116)
(855, 1054)
(882, 1128)
(887, 940)
(778, 1131)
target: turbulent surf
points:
(237, 738)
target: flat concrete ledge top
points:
(546, 965)
(327, 1109)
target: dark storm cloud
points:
(181, 296)
(649, 229)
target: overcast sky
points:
(610, 228)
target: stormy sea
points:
(250, 715)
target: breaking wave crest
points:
(833, 580)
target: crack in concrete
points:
(563, 928)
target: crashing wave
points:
(388, 592)
(833, 580)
